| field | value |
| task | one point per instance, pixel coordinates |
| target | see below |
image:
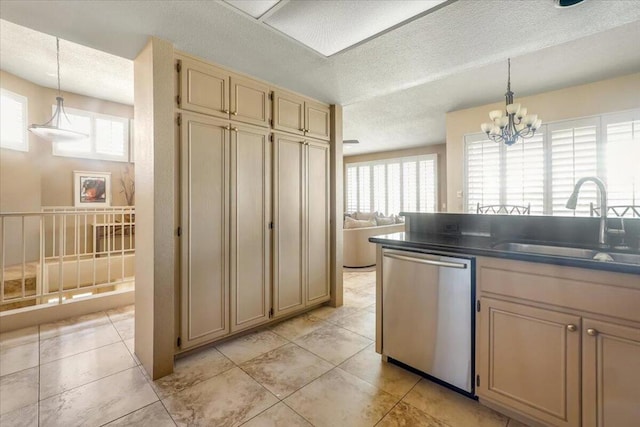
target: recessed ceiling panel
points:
(329, 26)
(255, 8)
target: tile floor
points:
(317, 369)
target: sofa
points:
(357, 250)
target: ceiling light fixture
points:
(513, 123)
(53, 129)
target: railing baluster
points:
(2, 262)
(24, 256)
(60, 263)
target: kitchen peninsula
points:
(554, 317)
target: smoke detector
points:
(566, 3)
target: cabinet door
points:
(317, 118)
(204, 176)
(249, 101)
(530, 360)
(250, 241)
(318, 222)
(288, 112)
(289, 225)
(611, 375)
(204, 88)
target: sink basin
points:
(566, 251)
(547, 250)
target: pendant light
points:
(53, 130)
(512, 124)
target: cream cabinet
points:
(558, 345)
(611, 374)
(225, 217)
(206, 89)
(301, 226)
(204, 176)
(300, 116)
(531, 360)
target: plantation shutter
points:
(410, 186)
(622, 159)
(394, 187)
(482, 166)
(525, 173)
(574, 155)
(352, 189)
(379, 189)
(427, 183)
(364, 188)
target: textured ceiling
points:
(397, 87)
(32, 55)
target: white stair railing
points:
(64, 253)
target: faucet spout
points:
(573, 201)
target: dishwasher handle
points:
(427, 261)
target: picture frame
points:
(91, 189)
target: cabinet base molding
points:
(180, 353)
(511, 413)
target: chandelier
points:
(53, 129)
(513, 123)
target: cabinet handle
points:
(572, 328)
(228, 127)
(592, 332)
(301, 130)
(235, 129)
(235, 113)
(225, 111)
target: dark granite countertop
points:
(483, 246)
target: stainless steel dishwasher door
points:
(426, 314)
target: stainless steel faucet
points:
(573, 201)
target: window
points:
(394, 185)
(13, 121)
(108, 137)
(543, 170)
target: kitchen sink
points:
(567, 251)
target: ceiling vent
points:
(566, 3)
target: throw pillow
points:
(385, 220)
(363, 216)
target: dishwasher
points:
(427, 314)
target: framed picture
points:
(91, 189)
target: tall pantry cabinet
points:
(254, 207)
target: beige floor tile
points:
(332, 314)
(18, 390)
(298, 326)
(404, 415)
(73, 324)
(131, 346)
(98, 402)
(122, 313)
(362, 323)
(279, 415)
(452, 408)
(368, 365)
(77, 342)
(286, 369)
(19, 337)
(191, 370)
(19, 357)
(333, 343)
(23, 417)
(371, 308)
(153, 415)
(359, 297)
(228, 399)
(73, 371)
(340, 399)
(247, 347)
(126, 328)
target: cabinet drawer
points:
(606, 293)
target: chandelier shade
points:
(55, 129)
(513, 123)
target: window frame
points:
(92, 153)
(599, 121)
(24, 101)
(389, 161)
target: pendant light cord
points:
(58, 62)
